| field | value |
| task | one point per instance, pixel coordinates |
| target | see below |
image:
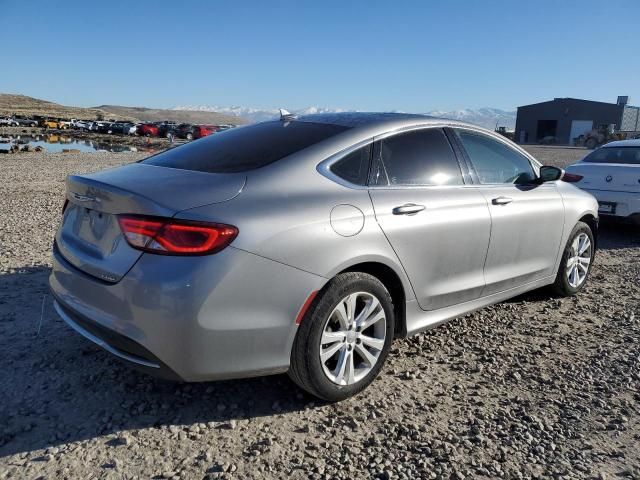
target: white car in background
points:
(8, 122)
(612, 175)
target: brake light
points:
(571, 177)
(168, 236)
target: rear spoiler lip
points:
(116, 192)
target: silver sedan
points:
(306, 245)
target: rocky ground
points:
(536, 387)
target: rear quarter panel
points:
(285, 214)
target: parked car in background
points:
(147, 130)
(612, 175)
(29, 122)
(200, 131)
(184, 130)
(375, 226)
(51, 123)
(81, 124)
(165, 128)
(8, 122)
(193, 132)
(122, 128)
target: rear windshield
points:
(245, 148)
(629, 155)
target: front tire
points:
(344, 337)
(576, 262)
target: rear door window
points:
(495, 162)
(354, 167)
(629, 155)
(245, 148)
(420, 157)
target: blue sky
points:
(365, 55)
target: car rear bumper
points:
(627, 204)
(220, 316)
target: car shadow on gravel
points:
(614, 234)
(56, 387)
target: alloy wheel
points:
(353, 338)
(579, 260)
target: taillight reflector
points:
(571, 177)
(305, 307)
(167, 236)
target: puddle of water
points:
(58, 143)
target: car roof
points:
(623, 143)
(357, 119)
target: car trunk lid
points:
(90, 237)
(617, 177)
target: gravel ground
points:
(536, 387)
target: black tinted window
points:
(422, 157)
(354, 168)
(246, 148)
(629, 155)
(494, 162)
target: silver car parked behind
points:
(306, 245)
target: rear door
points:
(437, 225)
(527, 219)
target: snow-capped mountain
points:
(484, 117)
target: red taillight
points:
(169, 236)
(571, 177)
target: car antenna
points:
(286, 116)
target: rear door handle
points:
(408, 209)
(502, 200)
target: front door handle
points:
(408, 209)
(502, 200)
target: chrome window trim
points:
(324, 167)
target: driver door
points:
(527, 219)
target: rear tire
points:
(577, 256)
(361, 347)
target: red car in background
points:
(193, 132)
(200, 131)
(147, 130)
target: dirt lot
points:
(536, 387)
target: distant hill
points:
(23, 105)
(484, 117)
(182, 116)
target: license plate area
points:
(607, 207)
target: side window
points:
(421, 157)
(495, 162)
(354, 168)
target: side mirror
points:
(550, 174)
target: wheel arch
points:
(593, 223)
(392, 282)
